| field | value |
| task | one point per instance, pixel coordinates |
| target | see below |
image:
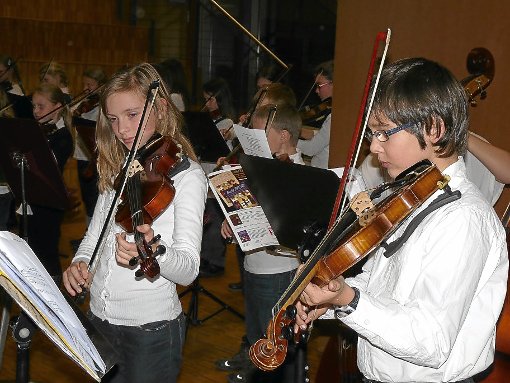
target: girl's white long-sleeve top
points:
(116, 295)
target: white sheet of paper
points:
(253, 141)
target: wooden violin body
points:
(87, 105)
(346, 243)
(149, 191)
(154, 162)
(315, 115)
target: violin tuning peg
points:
(139, 273)
(160, 250)
(291, 311)
(154, 240)
(133, 261)
(287, 333)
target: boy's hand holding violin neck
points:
(314, 301)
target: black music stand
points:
(209, 145)
(33, 175)
(22, 105)
(205, 137)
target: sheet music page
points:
(29, 284)
(253, 141)
(242, 211)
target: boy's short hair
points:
(326, 69)
(277, 94)
(423, 92)
(281, 117)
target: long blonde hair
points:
(111, 151)
(55, 95)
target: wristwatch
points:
(342, 311)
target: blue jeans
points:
(151, 353)
(261, 292)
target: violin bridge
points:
(135, 168)
(361, 203)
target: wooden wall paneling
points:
(440, 30)
(75, 46)
(76, 11)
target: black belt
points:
(468, 380)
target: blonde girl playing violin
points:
(142, 317)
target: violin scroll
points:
(269, 353)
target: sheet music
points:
(253, 141)
(29, 284)
(242, 211)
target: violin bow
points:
(46, 70)
(84, 94)
(250, 35)
(149, 103)
(309, 91)
(361, 124)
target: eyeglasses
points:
(384, 135)
(318, 86)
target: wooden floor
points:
(216, 338)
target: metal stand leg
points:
(301, 363)
(23, 331)
(192, 314)
(5, 307)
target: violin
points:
(349, 241)
(87, 105)
(314, 115)
(149, 191)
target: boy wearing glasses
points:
(428, 313)
(318, 146)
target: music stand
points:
(205, 137)
(33, 175)
(22, 106)
(209, 145)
